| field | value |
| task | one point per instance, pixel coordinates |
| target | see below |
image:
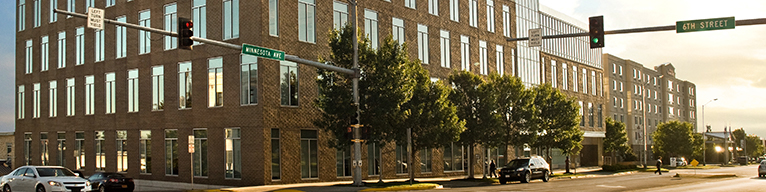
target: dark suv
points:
(525, 169)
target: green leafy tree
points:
(476, 107)
(674, 139)
(739, 135)
(514, 104)
(616, 140)
(557, 121)
(754, 146)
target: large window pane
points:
(145, 150)
(61, 147)
(306, 19)
(100, 151)
(171, 24)
(158, 88)
(44, 158)
(373, 159)
(200, 153)
(121, 147)
(171, 152)
(248, 83)
(234, 154)
(289, 83)
(184, 85)
(309, 168)
(215, 82)
(199, 16)
(230, 19)
(79, 150)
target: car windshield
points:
(517, 163)
(54, 172)
(115, 175)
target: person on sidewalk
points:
(492, 169)
(659, 165)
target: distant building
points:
(666, 99)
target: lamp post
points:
(704, 136)
(643, 110)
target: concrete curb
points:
(706, 175)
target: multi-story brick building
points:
(667, 99)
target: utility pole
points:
(357, 143)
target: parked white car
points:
(42, 179)
(762, 169)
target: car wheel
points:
(101, 188)
(7, 188)
(40, 189)
(546, 177)
(502, 181)
(527, 177)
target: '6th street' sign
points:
(705, 24)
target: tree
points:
(514, 104)
(616, 140)
(673, 139)
(754, 146)
(476, 107)
(557, 121)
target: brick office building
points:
(124, 100)
(667, 99)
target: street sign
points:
(95, 18)
(705, 24)
(694, 163)
(535, 37)
(191, 143)
(262, 52)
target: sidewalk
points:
(344, 186)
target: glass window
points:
(445, 48)
(491, 16)
(373, 159)
(100, 151)
(306, 19)
(89, 94)
(499, 59)
(582, 113)
(70, 97)
(99, 46)
(158, 88)
(453, 157)
(44, 55)
(44, 149)
(398, 30)
(593, 82)
(79, 150)
(274, 17)
(200, 153)
(144, 37)
(122, 150)
(591, 121)
(371, 27)
(110, 3)
(53, 16)
(28, 59)
(425, 160)
(27, 148)
(52, 99)
(60, 147)
(482, 57)
(70, 7)
(554, 77)
(506, 21)
(454, 10)
(473, 13)
(401, 159)
(109, 93)
(145, 151)
(121, 39)
(574, 78)
(36, 100)
(600, 115)
(89, 3)
(171, 24)
(584, 81)
(133, 90)
(234, 154)
(289, 83)
(185, 85)
(433, 7)
(22, 14)
(423, 43)
(465, 55)
(199, 16)
(215, 82)
(248, 80)
(230, 19)
(79, 46)
(62, 50)
(343, 162)
(171, 152)
(309, 168)
(339, 14)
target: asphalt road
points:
(746, 180)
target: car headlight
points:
(87, 183)
(520, 169)
(54, 183)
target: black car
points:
(524, 170)
(106, 181)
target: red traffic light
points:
(189, 24)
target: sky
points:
(726, 64)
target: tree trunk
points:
(567, 165)
(469, 169)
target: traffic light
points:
(596, 32)
(185, 33)
(364, 132)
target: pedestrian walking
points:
(659, 165)
(492, 169)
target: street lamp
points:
(704, 134)
(643, 110)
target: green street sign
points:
(705, 24)
(262, 52)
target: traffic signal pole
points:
(744, 22)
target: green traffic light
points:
(595, 40)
